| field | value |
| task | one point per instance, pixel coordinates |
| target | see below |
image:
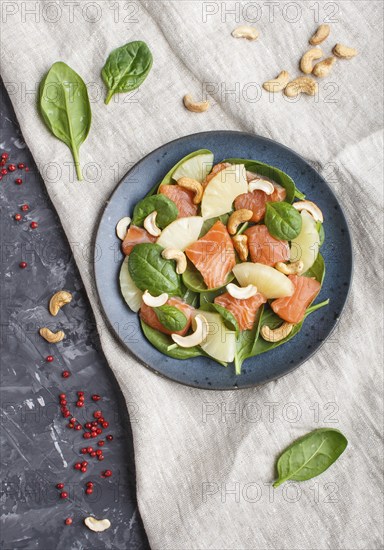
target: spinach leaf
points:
(272, 173)
(193, 280)
(310, 455)
(126, 68)
(211, 222)
(320, 230)
(151, 272)
(191, 298)
(282, 220)
(317, 270)
(167, 210)
(162, 342)
(229, 319)
(246, 342)
(168, 177)
(171, 317)
(65, 108)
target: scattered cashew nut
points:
(306, 62)
(192, 185)
(178, 256)
(238, 217)
(301, 85)
(97, 525)
(154, 301)
(250, 33)
(277, 334)
(323, 68)
(320, 35)
(240, 243)
(52, 337)
(122, 227)
(344, 52)
(241, 293)
(58, 300)
(310, 207)
(150, 224)
(197, 337)
(277, 84)
(261, 185)
(295, 268)
(195, 106)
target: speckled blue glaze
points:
(202, 372)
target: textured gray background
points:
(37, 450)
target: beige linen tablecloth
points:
(204, 480)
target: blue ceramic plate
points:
(202, 372)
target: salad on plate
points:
(222, 260)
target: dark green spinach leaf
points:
(126, 68)
(171, 317)
(193, 279)
(65, 108)
(317, 270)
(162, 342)
(282, 220)
(151, 272)
(310, 455)
(246, 342)
(167, 210)
(229, 319)
(211, 222)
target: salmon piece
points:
(265, 249)
(215, 170)
(243, 310)
(135, 235)
(183, 198)
(256, 201)
(213, 255)
(292, 308)
(149, 317)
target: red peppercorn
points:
(65, 374)
(21, 165)
(18, 181)
(79, 404)
(64, 494)
(99, 452)
(60, 486)
(80, 393)
(71, 425)
(99, 431)
(88, 425)
(101, 420)
(1, 177)
(66, 414)
(81, 398)
(84, 464)
(93, 454)
(97, 414)
(89, 490)
(11, 167)
(86, 435)
(23, 265)
(49, 359)
(94, 423)
(96, 397)
(77, 466)
(34, 225)
(63, 401)
(101, 443)
(4, 171)
(78, 427)
(68, 521)
(93, 428)
(89, 449)
(26, 169)
(73, 419)
(18, 217)
(108, 473)
(62, 395)
(105, 424)
(84, 450)
(89, 484)
(2, 162)
(4, 156)
(83, 469)
(109, 437)
(25, 207)
(93, 434)
(100, 457)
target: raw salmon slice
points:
(215, 170)
(213, 255)
(243, 310)
(292, 308)
(183, 198)
(256, 200)
(149, 317)
(135, 235)
(265, 249)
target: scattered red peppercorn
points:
(93, 454)
(64, 494)
(65, 374)
(96, 397)
(101, 443)
(63, 402)
(34, 225)
(62, 395)
(11, 167)
(66, 414)
(4, 171)
(2, 162)
(99, 452)
(77, 466)
(97, 414)
(26, 169)
(25, 207)
(100, 457)
(93, 434)
(18, 181)
(94, 423)
(80, 393)
(79, 404)
(68, 521)
(109, 437)
(84, 463)
(71, 425)
(23, 265)
(84, 450)
(99, 431)
(4, 156)
(49, 358)
(89, 490)
(78, 427)
(105, 424)
(88, 425)
(21, 165)
(89, 484)
(83, 469)
(108, 473)
(18, 217)
(60, 486)
(86, 435)
(100, 420)
(89, 449)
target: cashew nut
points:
(150, 224)
(240, 243)
(277, 84)
(301, 85)
(310, 207)
(197, 337)
(295, 268)
(277, 334)
(241, 293)
(179, 256)
(261, 185)
(195, 106)
(344, 52)
(58, 300)
(122, 227)
(320, 35)
(250, 33)
(306, 63)
(238, 217)
(97, 525)
(323, 68)
(192, 185)
(154, 301)
(52, 337)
